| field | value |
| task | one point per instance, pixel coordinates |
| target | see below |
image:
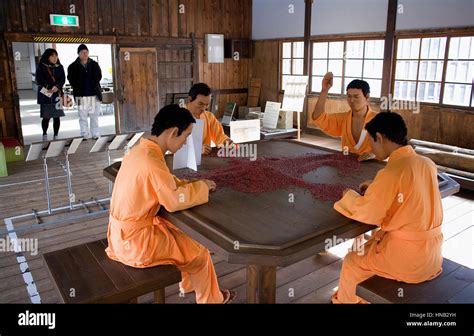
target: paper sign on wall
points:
(189, 156)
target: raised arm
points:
(321, 104)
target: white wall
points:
(420, 14)
(23, 65)
(272, 19)
(348, 16)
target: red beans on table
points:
(268, 174)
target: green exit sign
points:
(64, 20)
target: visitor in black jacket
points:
(84, 75)
(50, 78)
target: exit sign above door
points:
(64, 20)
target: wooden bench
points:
(85, 274)
(454, 285)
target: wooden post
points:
(389, 48)
(261, 284)
(160, 296)
(307, 61)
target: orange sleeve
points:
(178, 196)
(331, 123)
(216, 130)
(373, 207)
(179, 182)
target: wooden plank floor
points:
(309, 281)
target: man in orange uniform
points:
(198, 101)
(137, 236)
(404, 201)
(349, 125)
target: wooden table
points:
(265, 231)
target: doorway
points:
(26, 56)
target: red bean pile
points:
(267, 174)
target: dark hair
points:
(47, 53)
(391, 125)
(199, 89)
(359, 84)
(172, 116)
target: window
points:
(424, 78)
(328, 55)
(292, 62)
(419, 69)
(459, 72)
(363, 60)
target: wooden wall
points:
(133, 17)
(135, 23)
(434, 123)
(265, 65)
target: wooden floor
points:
(310, 281)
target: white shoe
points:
(45, 138)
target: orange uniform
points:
(139, 238)
(404, 200)
(213, 130)
(340, 125)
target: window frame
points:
(446, 59)
(281, 59)
(344, 39)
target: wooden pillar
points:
(387, 72)
(307, 61)
(261, 284)
(160, 296)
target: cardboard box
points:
(285, 120)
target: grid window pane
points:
(431, 70)
(336, 85)
(320, 50)
(335, 66)
(408, 49)
(298, 65)
(336, 50)
(354, 68)
(320, 67)
(286, 67)
(461, 48)
(457, 94)
(375, 87)
(373, 68)
(316, 85)
(374, 49)
(428, 92)
(298, 49)
(433, 48)
(287, 50)
(406, 70)
(460, 71)
(404, 90)
(355, 49)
